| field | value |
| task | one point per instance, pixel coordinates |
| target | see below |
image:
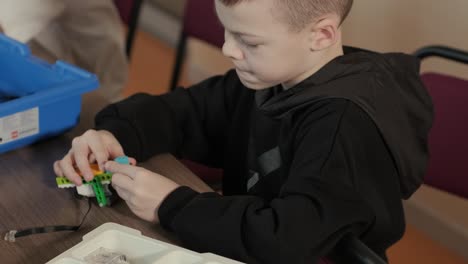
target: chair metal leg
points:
(132, 26)
(178, 61)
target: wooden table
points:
(29, 197)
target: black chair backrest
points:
(443, 52)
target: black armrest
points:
(351, 250)
(443, 52)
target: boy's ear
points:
(324, 33)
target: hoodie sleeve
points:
(186, 122)
(311, 213)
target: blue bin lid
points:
(23, 74)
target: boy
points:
(314, 143)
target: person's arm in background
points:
(23, 20)
(90, 34)
(86, 33)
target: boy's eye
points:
(249, 44)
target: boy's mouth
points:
(241, 71)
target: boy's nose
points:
(231, 51)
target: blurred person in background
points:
(86, 33)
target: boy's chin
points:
(254, 86)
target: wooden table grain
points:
(29, 197)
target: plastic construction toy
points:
(98, 187)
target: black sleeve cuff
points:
(173, 203)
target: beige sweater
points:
(87, 33)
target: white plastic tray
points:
(138, 249)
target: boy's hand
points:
(92, 146)
(142, 190)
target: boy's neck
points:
(326, 56)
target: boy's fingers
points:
(66, 167)
(100, 155)
(116, 150)
(122, 193)
(115, 167)
(93, 140)
(81, 153)
(113, 146)
(122, 182)
(57, 169)
(92, 158)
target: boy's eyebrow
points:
(243, 34)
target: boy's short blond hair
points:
(299, 13)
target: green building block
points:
(97, 182)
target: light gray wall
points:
(402, 25)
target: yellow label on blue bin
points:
(19, 125)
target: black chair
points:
(443, 52)
(351, 250)
(129, 11)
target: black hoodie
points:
(302, 167)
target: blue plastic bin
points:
(37, 99)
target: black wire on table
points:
(12, 235)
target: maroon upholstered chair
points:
(129, 11)
(448, 141)
(199, 21)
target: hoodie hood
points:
(387, 87)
